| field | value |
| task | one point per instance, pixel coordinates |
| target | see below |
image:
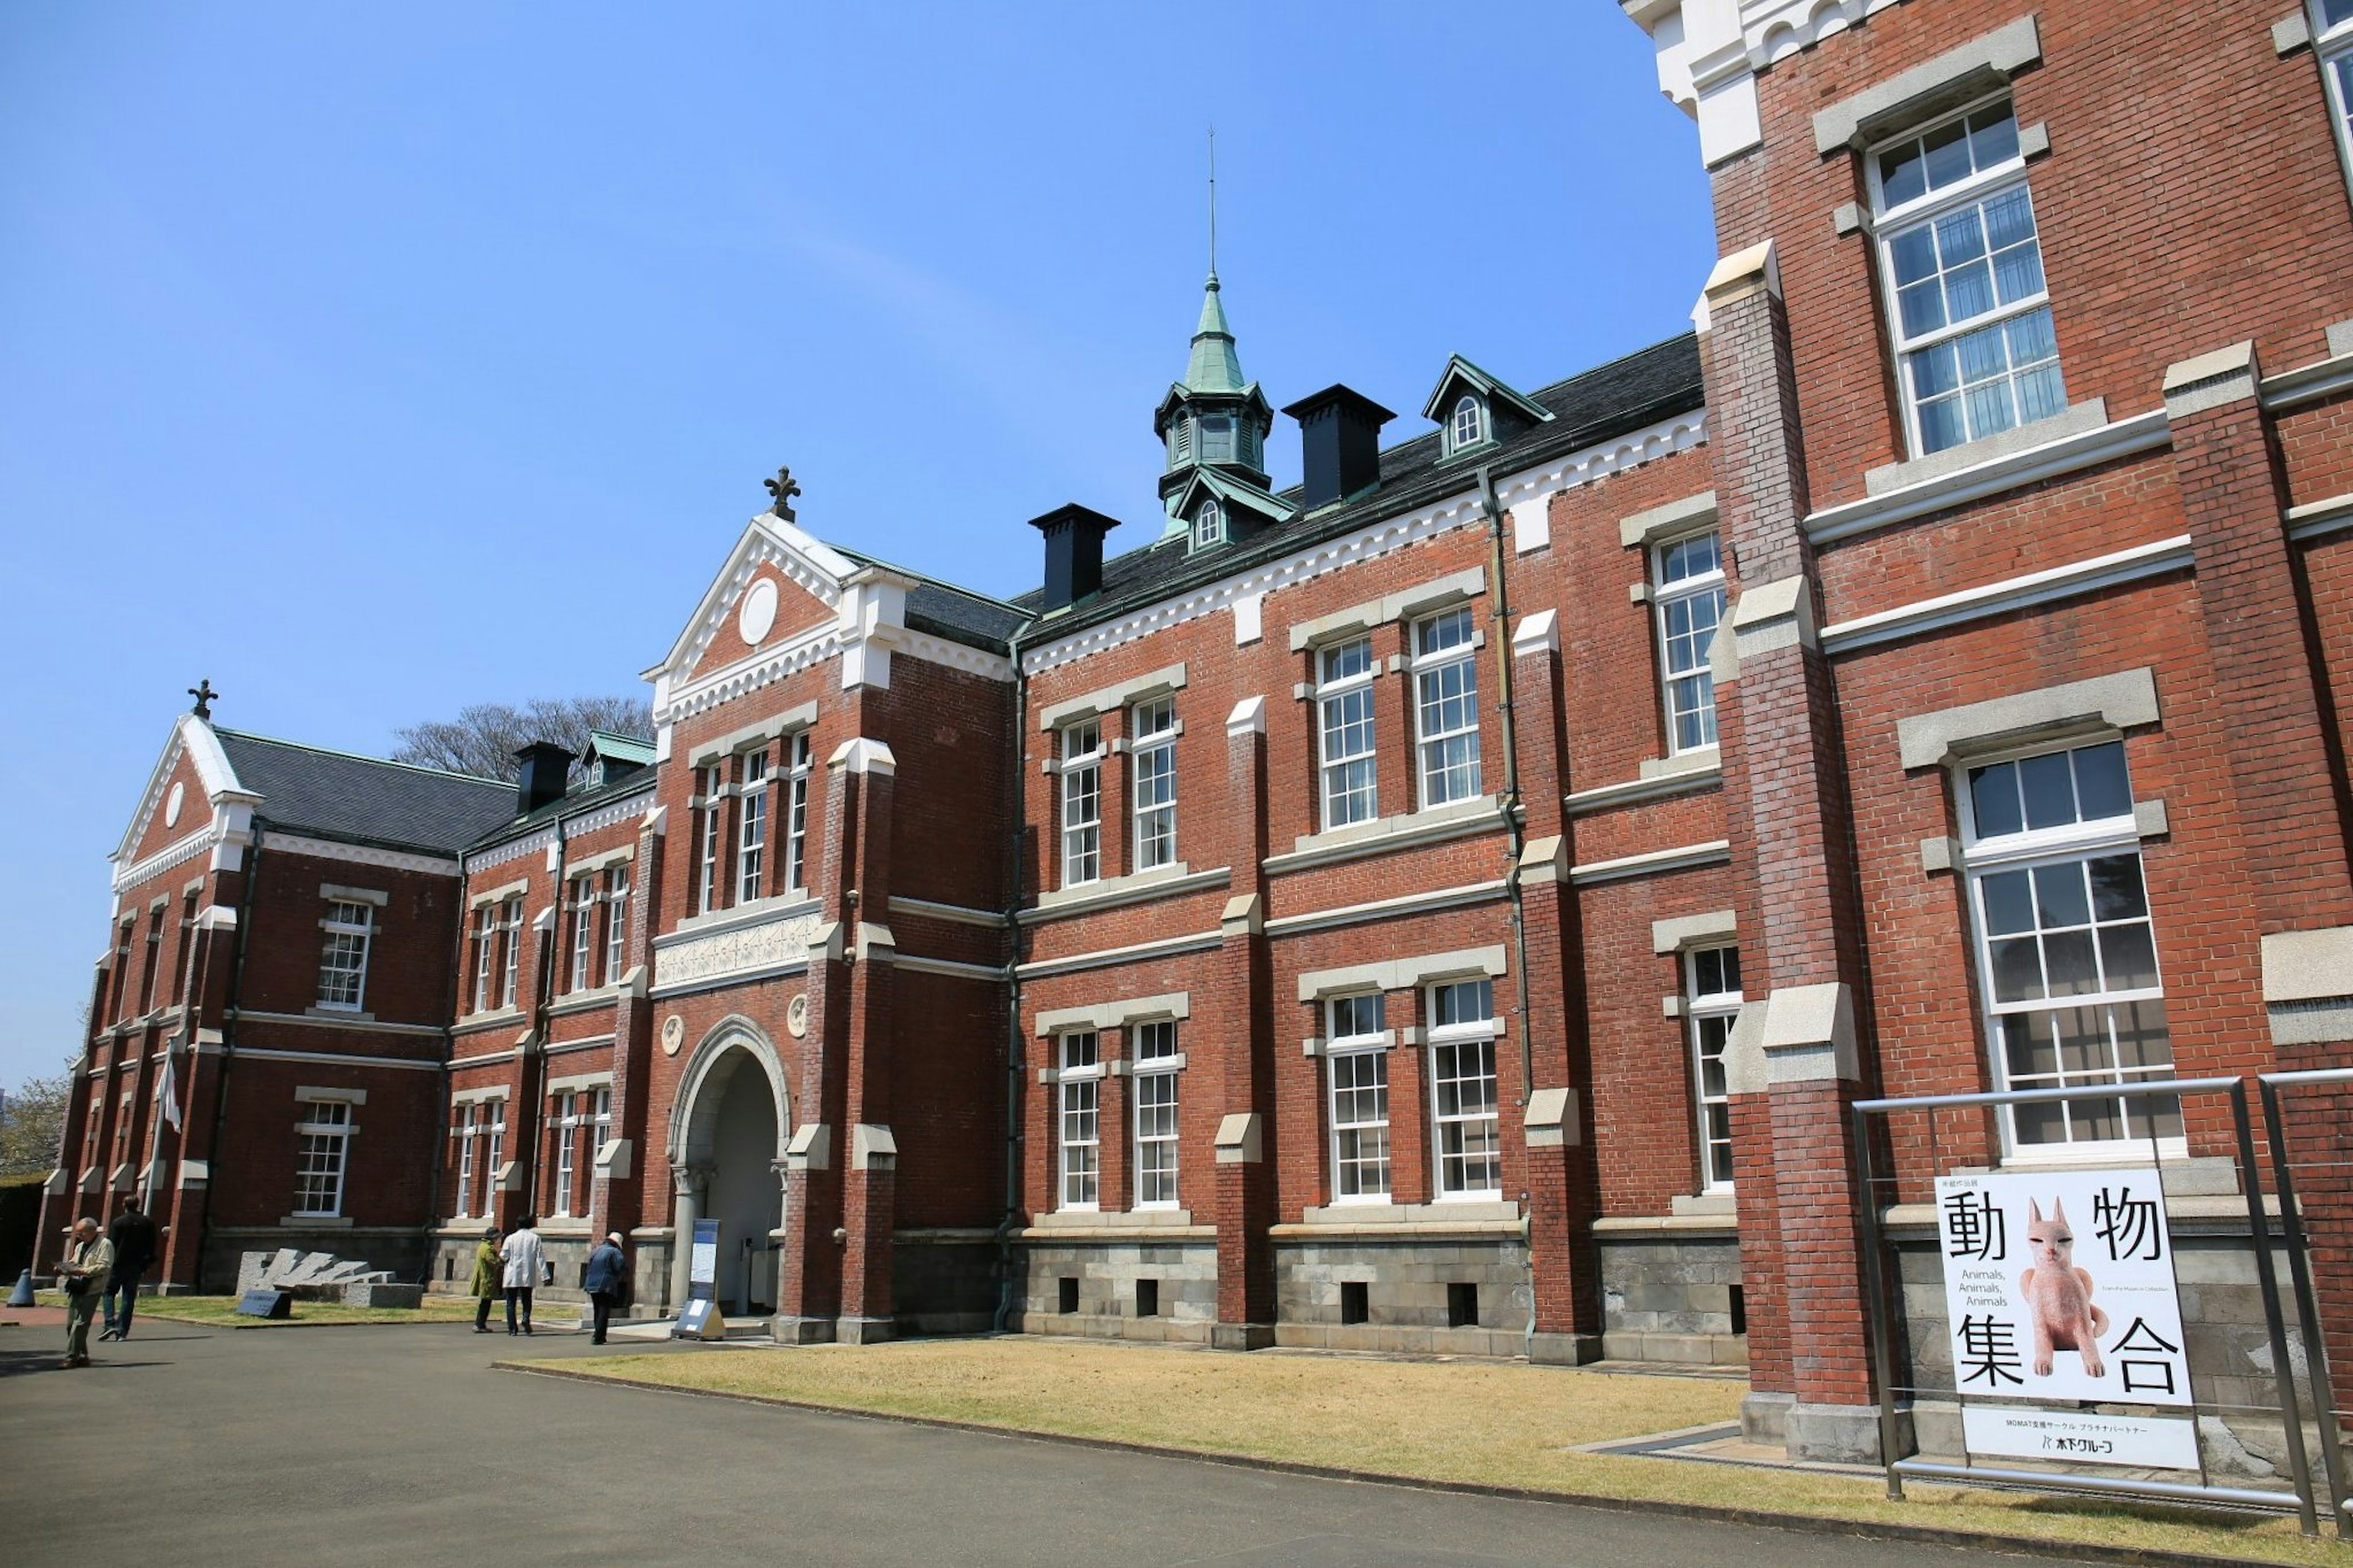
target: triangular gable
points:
(1231, 493)
(193, 740)
(803, 560)
(1460, 374)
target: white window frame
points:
(1891, 223)
(346, 938)
(464, 1133)
(796, 802)
(2333, 45)
(2078, 843)
(486, 937)
(1337, 699)
(707, 854)
(1209, 524)
(1447, 776)
(1710, 1008)
(1157, 1092)
(323, 1150)
(1466, 426)
(1152, 769)
(752, 826)
(617, 921)
(1669, 598)
(494, 1129)
(600, 1119)
(584, 932)
(511, 927)
(1454, 1135)
(1078, 1119)
(1079, 802)
(566, 1122)
(1351, 1049)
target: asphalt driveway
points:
(198, 1447)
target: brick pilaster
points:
(1241, 1084)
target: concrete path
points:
(372, 1445)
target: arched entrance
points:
(729, 1131)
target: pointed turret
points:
(1212, 422)
(1215, 366)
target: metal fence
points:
(1933, 1187)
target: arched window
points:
(1470, 423)
(1208, 525)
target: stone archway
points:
(729, 1129)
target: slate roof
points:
(572, 802)
(1613, 399)
(364, 800)
(946, 610)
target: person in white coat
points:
(522, 1256)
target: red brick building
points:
(1450, 903)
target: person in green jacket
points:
(490, 1279)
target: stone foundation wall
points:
(943, 1283)
(1407, 1304)
(1107, 1275)
(1673, 1298)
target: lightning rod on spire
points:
(1213, 201)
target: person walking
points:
(84, 1270)
(523, 1258)
(608, 1277)
(487, 1281)
(133, 1237)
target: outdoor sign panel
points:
(2059, 1287)
(702, 1259)
(2081, 1436)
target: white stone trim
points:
(1657, 781)
(2314, 518)
(1995, 56)
(365, 1023)
(580, 1082)
(2075, 419)
(2310, 383)
(1658, 524)
(1385, 909)
(2155, 559)
(1456, 819)
(1651, 863)
(2124, 700)
(1135, 953)
(1536, 634)
(316, 1092)
(179, 852)
(1054, 715)
(1177, 1005)
(334, 893)
(1401, 973)
(1398, 606)
(1111, 893)
(1693, 931)
(954, 968)
(336, 1058)
(362, 855)
(1997, 475)
(756, 733)
(499, 894)
(539, 838)
(957, 914)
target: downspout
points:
(1515, 835)
(229, 1042)
(543, 972)
(441, 1129)
(1014, 1061)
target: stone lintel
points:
(1551, 1120)
(811, 1148)
(1809, 1034)
(1241, 1138)
(2210, 380)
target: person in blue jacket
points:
(608, 1277)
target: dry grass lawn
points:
(1483, 1423)
(220, 1311)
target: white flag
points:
(168, 1093)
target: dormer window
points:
(1468, 425)
(1208, 525)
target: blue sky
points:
(374, 360)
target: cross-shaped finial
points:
(204, 693)
(783, 487)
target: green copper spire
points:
(1215, 367)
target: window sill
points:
(1109, 892)
(1096, 1219)
(1449, 1212)
(495, 1015)
(1457, 819)
(338, 1015)
(2032, 454)
(316, 1220)
(583, 1001)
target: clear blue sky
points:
(375, 360)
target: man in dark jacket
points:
(608, 1276)
(134, 1236)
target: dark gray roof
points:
(584, 795)
(946, 610)
(1610, 400)
(364, 800)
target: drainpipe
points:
(441, 1129)
(545, 975)
(1014, 1061)
(228, 1041)
(1515, 831)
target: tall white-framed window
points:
(1156, 1078)
(584, 932)
(494, 1154)
(1712, 1005)
(565, 1124)
(1446, 705)
(1082, 757)
(1467, 426)
(2065, 947)
(343, 964)
(706, 875)
(796, 802)
(1152, 758)
(2332, 32)
(486, 944)
(1975, 352)
(1687, 588)
(617, 921)
(1344, 714)
(1357, 1052)
(1079, 1112)
(752, 826)
(1209, 524)
(1465, 1111)
(464, 1133)
(510, 944)
(323, 1145)
(600, 1118)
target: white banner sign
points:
(2059, 1286)
(2159, 1442)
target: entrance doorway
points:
(729, 1129)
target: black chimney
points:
(1339, 445)
(540, 778)
(1074, 539)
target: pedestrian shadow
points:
(20, 1361)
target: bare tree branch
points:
(483, 738)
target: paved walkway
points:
(370, 1444)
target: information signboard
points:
(702, 1261)
(2059, 1287)
(2081, 1436)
